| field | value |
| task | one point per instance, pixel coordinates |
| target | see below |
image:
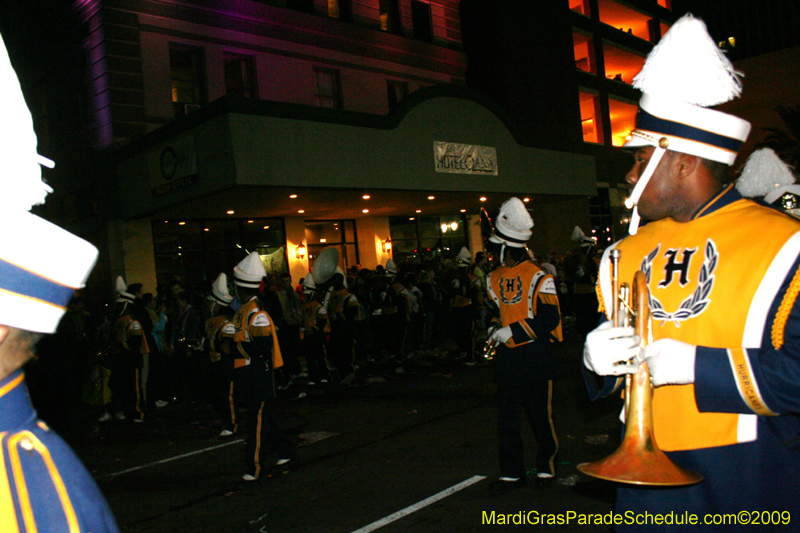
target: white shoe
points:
(138, 420)
(105, 417)
(226, 433)
(248, 477)
(119, 415)
(161, 403)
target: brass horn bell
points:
(638, 460)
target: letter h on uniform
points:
(673, 266)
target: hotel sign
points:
(458, 158)
(173, 166)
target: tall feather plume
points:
(577, 234)
(515, 213)
(21, 185)
(763, 172)
(120, 285)
(688, 66)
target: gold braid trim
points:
(782, 315)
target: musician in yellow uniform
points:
(259, 352)
(217, 342)
(126, 375)
(315, 325)
(529, 324)
(723, 279)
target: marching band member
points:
(257, 346)
(723, 278)
(530, 321)
(43, 485)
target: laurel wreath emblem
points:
(692, 305)
(517, 298)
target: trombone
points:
(638, 460)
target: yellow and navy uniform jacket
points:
(342, 305)
(314, 318)
(526, 297)
(43, 486)
(130, 335)
(469, 291)
(255, 335)
(218, 328)
(727, 282)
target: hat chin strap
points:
(633, 200)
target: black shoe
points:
(502, 486)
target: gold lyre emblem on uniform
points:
(638, 460)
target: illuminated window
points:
(339, 234)
(340, 9)
(421, 21)
(623, 120)
(624, 18)
(581, 6)
(240, 80)
(329, 92)
(427, 236)
(188, 72)
(621, 65)
(583, 47)
(665, 3)
(390, 16)
(397, 91)
(208, 247)
(591, 124)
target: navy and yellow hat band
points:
(26, 283)
(646, 121)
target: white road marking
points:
(170, 459)
(419, 505)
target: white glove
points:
(502, 334)
(671, 362)
(607, 349)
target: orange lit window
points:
(621, 65)
(590, 118)
(581, 6)
(624, 18)
(623, 120)
(665, 3)
(583, 47)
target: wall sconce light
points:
(300, 251)
(387, 245)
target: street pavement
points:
(410, 452)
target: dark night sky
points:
(759, 26)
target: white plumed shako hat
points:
(464, 258)
(390, 267)
(219, 290)
(683, 75)
(41, 264)
(249, 272)
(513, 225)
(121, 288)
(765, 174)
